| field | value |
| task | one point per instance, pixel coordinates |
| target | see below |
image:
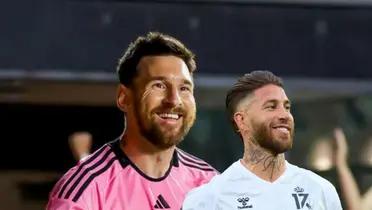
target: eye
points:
(270, 107)
(185, 88)
(288, 107)
(159, 85)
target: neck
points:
(263, 163)
(152, 161)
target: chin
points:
(170, 139)
(286, 147)
(282, 145)
(169, 143)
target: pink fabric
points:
(107, 179)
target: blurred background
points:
(57, 76)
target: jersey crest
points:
(301, 198)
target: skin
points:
(349, 187)
(160, 109)
(266, 126)
(80, 144)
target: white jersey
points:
(238, 188)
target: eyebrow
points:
(275, 101)
(162, 78)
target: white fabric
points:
(238, 188)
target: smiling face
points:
(268, 121)
(163, 105)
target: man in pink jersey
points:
(143, 169)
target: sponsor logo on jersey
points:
(161, 203)
(243, 203)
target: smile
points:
(169, 116)
(283, 128)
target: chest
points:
(250, 196)
(135, 192)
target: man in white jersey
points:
(262, 179)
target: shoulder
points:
(314, 178)
(89, 176)
(62, 204)
(317, 182)
(204, 197)
(195, 165)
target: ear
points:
(239, 121)
(122, 98)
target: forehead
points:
(270, 92)
(167, 66)
(262, 95)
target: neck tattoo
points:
(256, 156)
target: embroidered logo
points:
(300, 198)
(161, 203)
(244, 203)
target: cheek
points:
(189, 102)
(146, 95)
(259, 120)
(252, 124)
(151, 97)
(264, 124)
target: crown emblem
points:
(299, 189)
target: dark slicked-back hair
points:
(152, 44)
(245, 86)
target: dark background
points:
(296, 40)
(57, 75)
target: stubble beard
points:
(265, 138)
(159, 136)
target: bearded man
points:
(262, 179)
(143, 169)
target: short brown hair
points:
(153, 43)
(245, 86)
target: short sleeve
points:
(62, 204)
(334, 202)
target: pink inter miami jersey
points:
(107, 179)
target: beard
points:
(161, 136)
(264, 137)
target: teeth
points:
(170, 116)
(283, 129)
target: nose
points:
(172, 98)
(285, 115)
